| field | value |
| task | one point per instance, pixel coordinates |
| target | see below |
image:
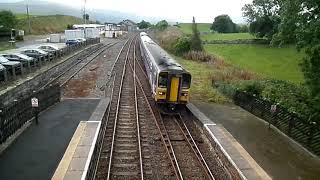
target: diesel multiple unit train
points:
(169, 81)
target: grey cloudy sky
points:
(181, 10)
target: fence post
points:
(291, 121)
(310, 133)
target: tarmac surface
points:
(275, 153)
(36, 153)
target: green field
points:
(47, 24)
(187, 27)
(229, 36)
(278, 63)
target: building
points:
(128, 25)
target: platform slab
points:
(36, 153)
(229, 145)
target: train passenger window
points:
(163, 79)
(186, 80)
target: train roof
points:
(161, 57)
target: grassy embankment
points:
(240, 62)
(46, 24)
(270, 62)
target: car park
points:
(72, 42)
(14, 67)
(3, 73)
(24, 59)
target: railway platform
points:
(77, 157)
(36, 153)
(229, 147)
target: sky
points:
(180, 10)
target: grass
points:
(187, 27)
(5, 46)
(228, 36)
(201, 88)
(277, 63)
(47, 24)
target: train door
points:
(174, 89)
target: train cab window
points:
(163, 80)
(186, 80)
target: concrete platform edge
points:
(206, 122)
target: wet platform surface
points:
(275, 153)
(36, 153)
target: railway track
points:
(140, 143)
(64, 77)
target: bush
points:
(198, 56)
(182, 45)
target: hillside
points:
(47, 24)
(43, 7)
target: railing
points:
(16, 114)
(301, 130)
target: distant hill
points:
(47, 24)
(37, 7)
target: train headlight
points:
(161, 93)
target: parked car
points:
(3, 73)
(14, 67)
(48, 48)
(24, 59)
(72, 42)
(37, 53)
(81, 40)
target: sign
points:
(273, 108)
(34, 102)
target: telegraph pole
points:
(29, 23)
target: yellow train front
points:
(169, 81)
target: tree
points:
(144, 24)
(223, 24)
(162, 25)
(86, 17)
(196, 44)
(7, 20)
(263, 16)
(243, 28)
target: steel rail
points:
(63, 73)
(164, 137)
(188, 137)
(70, 77)
(117, 112)
(136, 109)
(108, 111)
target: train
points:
(169, 81)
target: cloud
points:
(180, 10)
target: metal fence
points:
(14, 115)
(301, 130)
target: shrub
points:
(198, 56)
(182, 46)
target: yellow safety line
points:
(67, 157)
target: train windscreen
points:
(186, 80)
(163, 80)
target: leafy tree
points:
(223, 24)
(183, 45)
(69, 26)
(196, 44)
(162, 25)
(144, 24)
(7, 20)
(263, 16)
(86, 17)
(243, 28)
